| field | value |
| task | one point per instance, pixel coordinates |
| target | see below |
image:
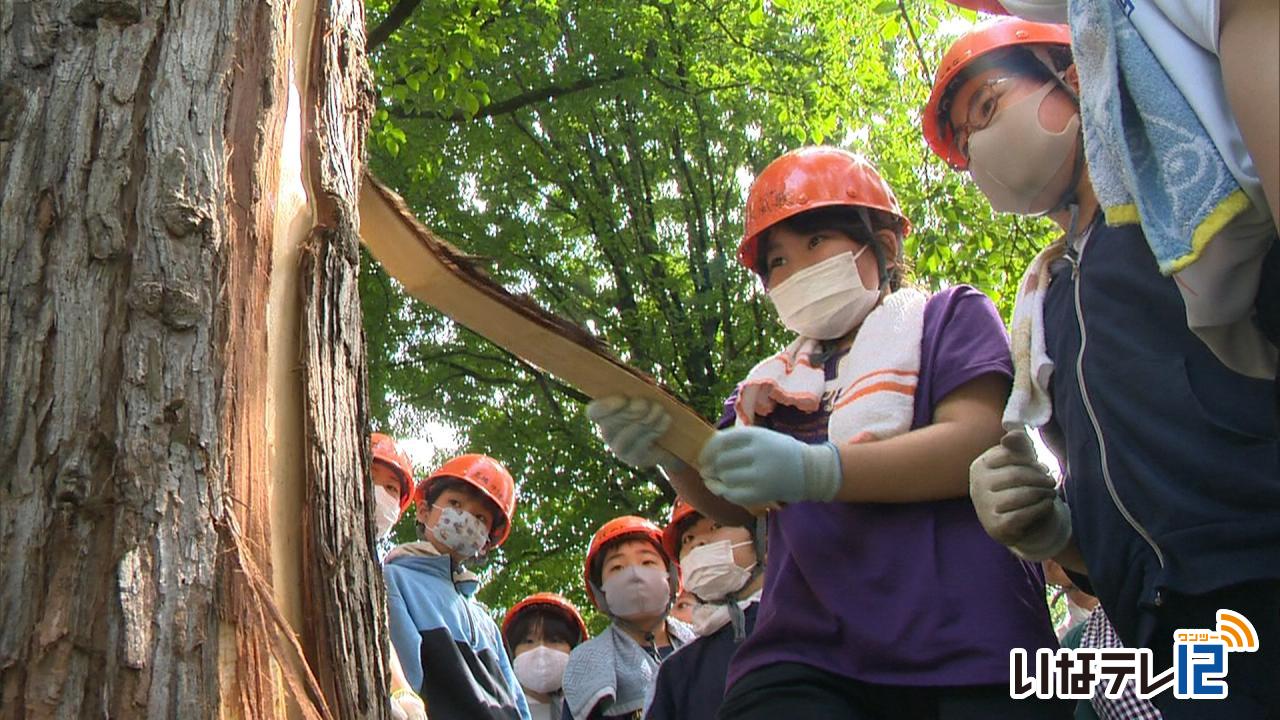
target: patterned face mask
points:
(460, 531)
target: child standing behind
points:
(720, 565)
(449, 646)
(631, 579)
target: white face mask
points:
(541, 669)
(386, 510)
(1034, 178)
(637, 591)
(709, 617)
(710, 573)
(460, 531)
(825, 300)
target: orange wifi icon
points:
(1236, 632)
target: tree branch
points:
(524, 99)
(399, 13)
(915, 42)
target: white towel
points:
(873, 393)
(1029, 403)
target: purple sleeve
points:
(728, 415)
(964, 338)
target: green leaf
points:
(469, 102)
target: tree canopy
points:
(595, 156)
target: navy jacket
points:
(691, 682)
(1173, 464)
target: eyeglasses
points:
(981, 110)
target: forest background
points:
(594, 155)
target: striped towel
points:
(872, 396)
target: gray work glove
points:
(1017, 501)
(631, 427)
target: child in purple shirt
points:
(883, 596)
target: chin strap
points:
(882, 264)
(1070, 198)
(650, 645)
(1074, 225)
(1074, 229)
(826, 348)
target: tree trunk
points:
(151, 408)
(347, 640)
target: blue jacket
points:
(1173, 464)
(448, 645)
(691, 682)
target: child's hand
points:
(753, 466)
(631, 428)
(1017, 501)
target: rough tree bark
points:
(348, 651)
(140, 145)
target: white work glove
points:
(1017, 500)
(631, 428)
(406, 705)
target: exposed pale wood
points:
(433, 271)
(285, 434)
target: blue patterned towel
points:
(1150, 159)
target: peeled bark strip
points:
(138, 162)
(343, 593)
(436, 273)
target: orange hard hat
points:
(807, 179)
(547, 600)
(986, 6)
(671, 533)
(995, 35)
(486, 475)
(627, 527)
(387, 453)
